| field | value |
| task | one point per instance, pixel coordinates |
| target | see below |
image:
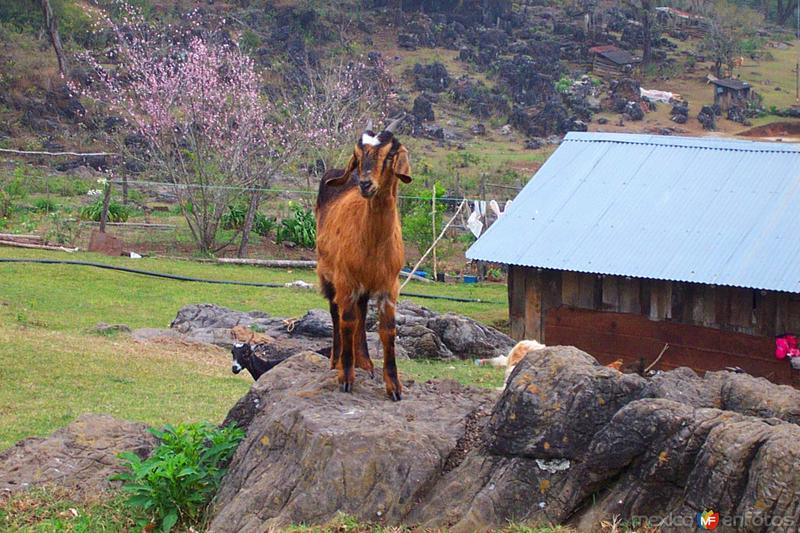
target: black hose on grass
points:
(202, 280)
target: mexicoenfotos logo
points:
(708, 520)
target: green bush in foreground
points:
(117, 212)
(175, 484)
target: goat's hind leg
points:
(361, 349)
(329, 292)
(388, 331)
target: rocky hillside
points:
(490, 85)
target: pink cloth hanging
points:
(786, 345)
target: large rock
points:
(568, 440)
(79, 457)
(312, 451)
(212, 324)
(469, 339)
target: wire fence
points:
(152, 219)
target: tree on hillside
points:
(784, 9)
(645, 14)
(729, 26)
(51, 25)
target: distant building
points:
(730, 92)
(672, 18)
(621, 244)
(611, 62)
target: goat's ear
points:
(344, 178)
(401, 166)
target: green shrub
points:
(234, 217)
(175, 484)
(417, 228)
(116, 211)
(300, 228)
(564, 84)
(264, 225)
(45, 205)
(249, 41)
(12, 189)
(63, 230)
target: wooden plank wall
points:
(610, 336)
(535, 293)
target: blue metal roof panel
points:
(704, 210)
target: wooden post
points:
(106, 202)
(125, 189)
(433, 227)
(481, 264)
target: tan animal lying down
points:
(513, 358)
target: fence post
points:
(433, 226)
(106, 202)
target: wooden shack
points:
(622, 244)
(731, 92)
(674, 19)
(611, 62)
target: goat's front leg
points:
(347, 328)
(388, 331)
(330, 293)
(361, 349)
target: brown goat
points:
(360, 252)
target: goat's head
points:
(242, 355)
(379, 160)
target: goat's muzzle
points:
(236, 368)
(367, 189)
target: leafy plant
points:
(12, 190)
(234, 216)
(264, 225)
(300, 228)
(564, 84)
(117, 212)
(45, 205)
(183, 473)
(63, 230)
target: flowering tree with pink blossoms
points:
(205, 125)
(198, 109)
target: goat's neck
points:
(381, 215)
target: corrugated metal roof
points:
(702, 210)
(731, 83)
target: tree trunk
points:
(255, 199)
(51, 24)
(106, 203)
(785, 11)
(647, 31)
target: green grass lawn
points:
(52, 368)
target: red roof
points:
(604, 48)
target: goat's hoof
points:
(346, 387)
(396, 396)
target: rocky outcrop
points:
(422, 333)
(79, 457)
(312, 451)
(567, 440)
